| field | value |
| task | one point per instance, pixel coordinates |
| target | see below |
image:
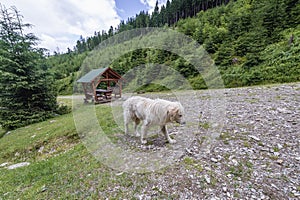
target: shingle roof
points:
(89, 77)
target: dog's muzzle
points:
(181, 123)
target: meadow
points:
(255, 155)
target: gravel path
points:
(254, 151)
(257, 153)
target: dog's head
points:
(176, 113)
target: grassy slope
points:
(63, 169)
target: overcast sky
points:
(59, 23)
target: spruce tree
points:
(27, 92)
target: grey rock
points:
(254, 137)
(4, 164)
(207, 178)
(23, 164)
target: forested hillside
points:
(251, 41)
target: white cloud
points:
(59, 23)
(151, 4)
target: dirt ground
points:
(245, 146)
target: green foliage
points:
(281, 62)
(167, 15)
(188, 26)
(63, 67)
(251, 41)
(27, 93)
(151, 87)
(197, 83)
(63, 109)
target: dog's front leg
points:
(165, 132)
(136, 123)
(126, 126)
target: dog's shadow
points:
(154, 141)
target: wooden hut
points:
(111, 80)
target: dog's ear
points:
(172, 112)
(175, 111)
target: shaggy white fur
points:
(151, 112)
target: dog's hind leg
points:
(127, 119)
(165, 132)
(144, 132)
(136, 123)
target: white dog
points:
(151, 112)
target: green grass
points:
(191, 163)
(64, 168)
(2, 132)
(107, 121)
(243, 170)
(26, 141)
(204, 125)
(72, 175)
(152, 88)
(65, 100)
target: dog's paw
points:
(144, 141)
(171, 141)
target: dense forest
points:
(251, 41)
(167, 15)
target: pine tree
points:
(274, 17)
(27, 92)
(155, 16)
(168, 12)
(293, 12)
